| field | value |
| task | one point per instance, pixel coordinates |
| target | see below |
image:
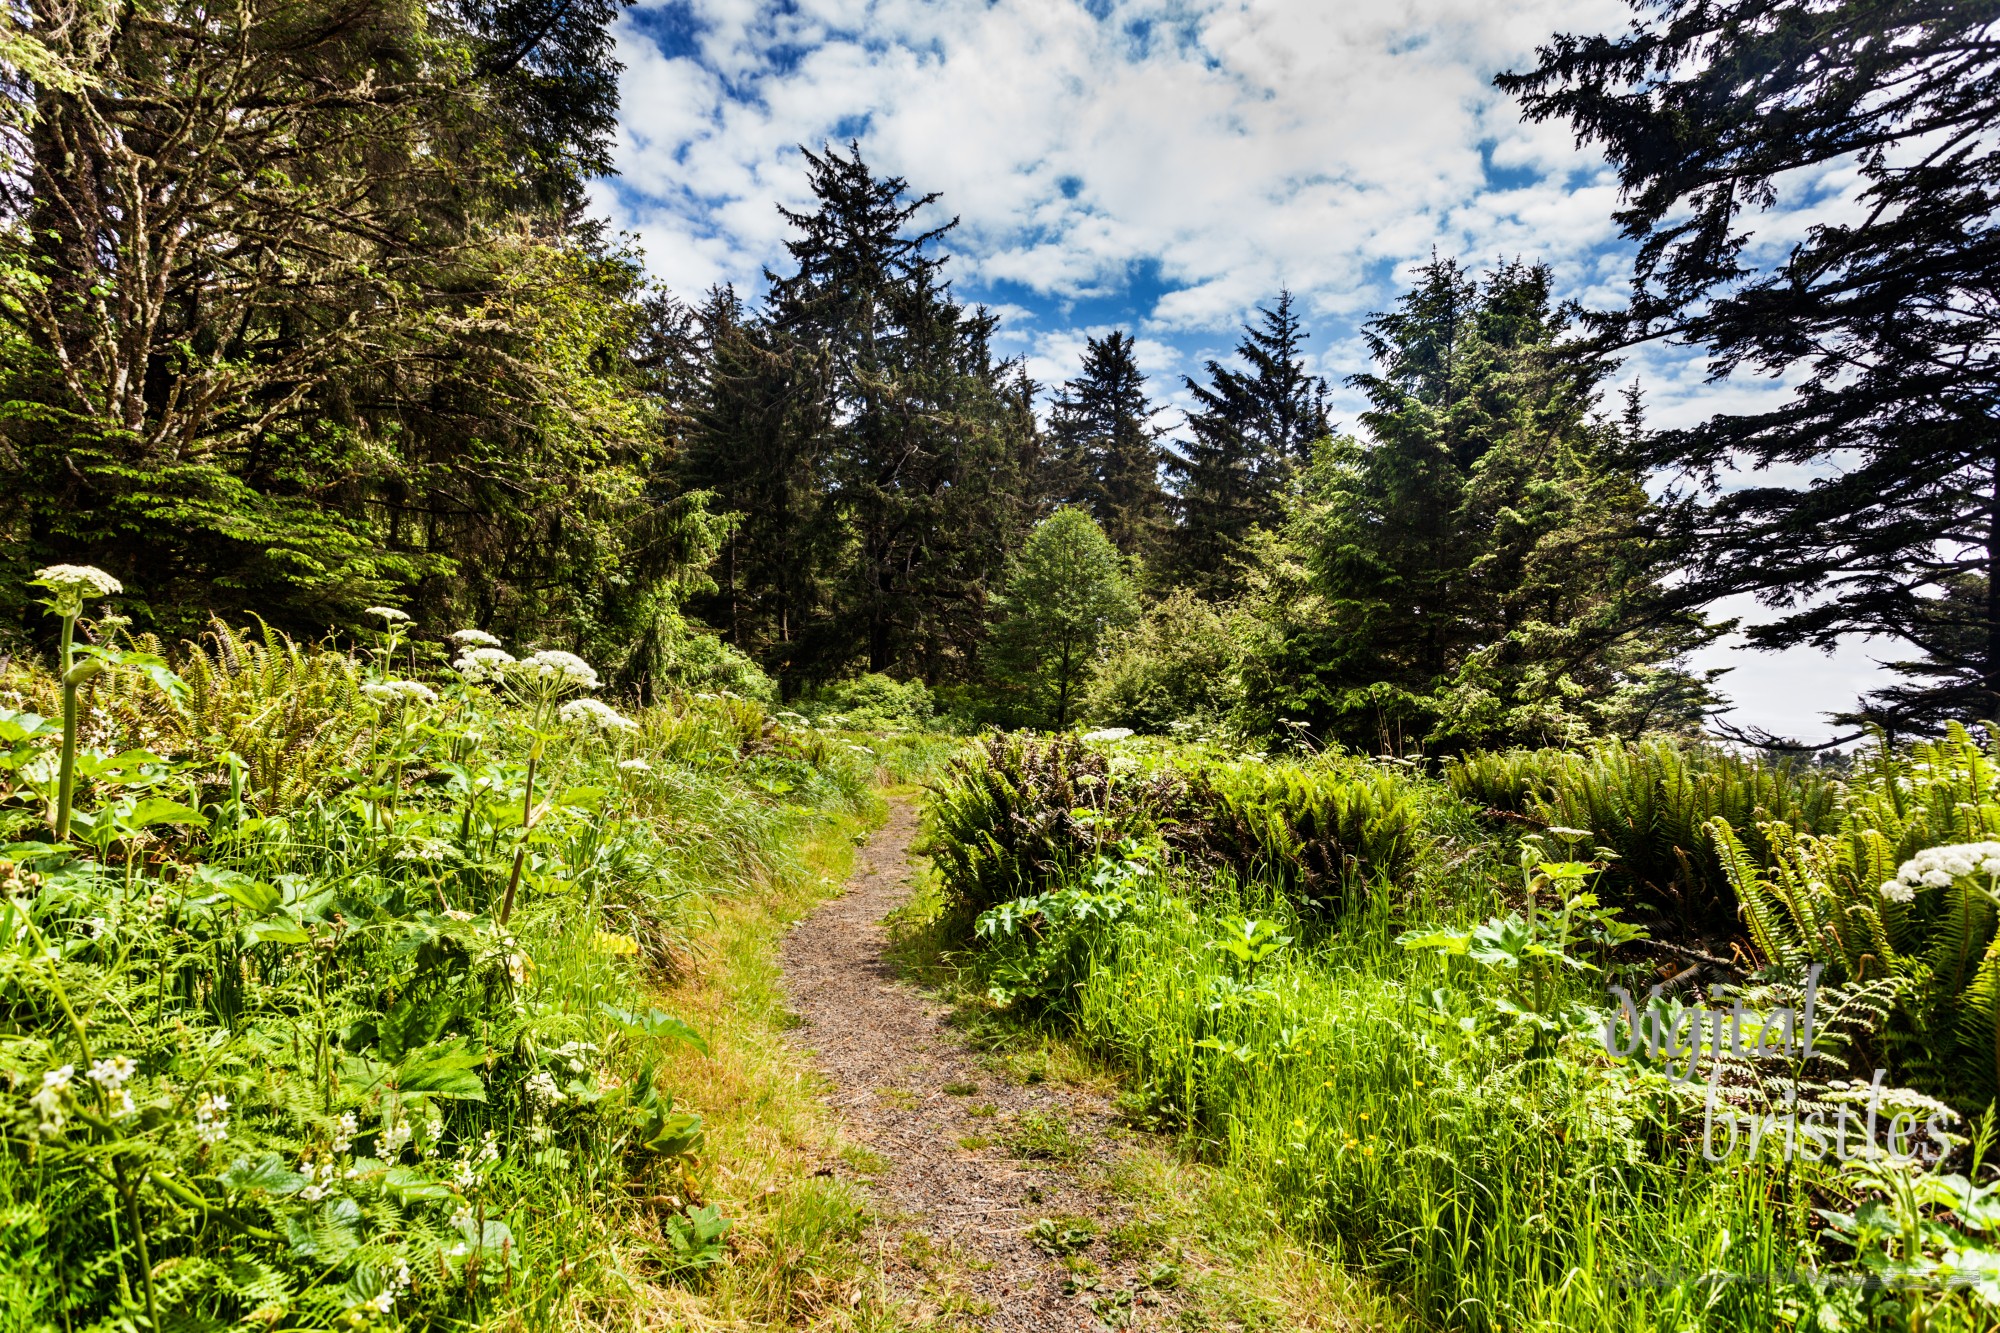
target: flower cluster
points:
(211, 1118)
(400, 691)
(473, 638)
(319, 1179)
(541, 1090)
(111, 1075)
(553, 666)
(484, 666)
(48, 1100)
(73, 585)
(471, 1161)
(1937, 867)
(601, 716)
(395, 1136)
(344, 1131)
(635, 766)
(389, 614)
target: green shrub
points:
(1177, 665)
(676, 655)
(1650, 803)
(1017, 814)
(1854, 898)
(873, 702)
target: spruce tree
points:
(1248, 434)
(1884, 313)
(1479, 569)
(885, 452)
(1105, 449)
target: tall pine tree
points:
(1479, 572)
(1250, 431)
(876, 450)
(1105, 451)
(1882, 516)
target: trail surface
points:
(956, 1210)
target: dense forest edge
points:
(437, 663)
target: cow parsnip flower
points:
(592, 713)
(557, 667)
(1937, 867)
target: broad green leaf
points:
(268, 1173)
(655, 1024)
(252, 895)
(409, 1182)
(159, 810)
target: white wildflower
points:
(343, 1133)
(381, 1302)
(48, 1101)
(542, 1089)
(211, 1123)
(1937, 867)
(77, 583)
(462, 1218)
(483, 666)
(473, 638)
(395, 1137)
(122, 1104)
(98, 927)
(1108, 734)
(388, 614)
(635, 766)
(113, 1072)
(601, 716)
(400, 691)
(552, 664)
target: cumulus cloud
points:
(1233, 146)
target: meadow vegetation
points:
(328, 986)
(1380, 999)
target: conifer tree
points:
(891, 450)
(1249, 433)
(1480, 565)
(1884, 313)
(1105, 449)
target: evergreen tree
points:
(1105, 449)
(1479, 565)
(277, 332)
(1887, 313)
(1248, 434)
(1067, 590)
(889, 453)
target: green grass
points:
(1390, 1118)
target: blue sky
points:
(1165, 167)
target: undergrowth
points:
(328, 996)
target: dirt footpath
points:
(961, 1187)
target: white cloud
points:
(1236, 145)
